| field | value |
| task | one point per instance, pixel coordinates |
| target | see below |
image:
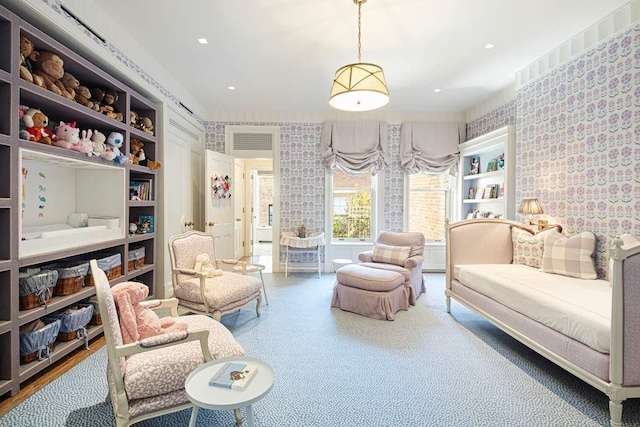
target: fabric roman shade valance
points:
(355, 146)
(431, 147)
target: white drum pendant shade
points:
(359, 87)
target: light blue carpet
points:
(334, 368)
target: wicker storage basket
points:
(111, 264)
(38, 343)
(36, 287)
(136, 258)
(70, 276)
(96, 319)
(72, 322)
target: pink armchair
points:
(410, 268)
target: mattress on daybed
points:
(578, 308)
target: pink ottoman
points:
(372, 292)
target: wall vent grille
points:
(249, 141)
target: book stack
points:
(140, 190)
(234, 376)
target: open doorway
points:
(261, 211)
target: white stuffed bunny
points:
(204, 266)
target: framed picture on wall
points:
(474, 165)
(472, 192)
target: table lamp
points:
(530, 207)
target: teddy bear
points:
(113, 143)
(83, 97)
(50, 67)
(67, 135)
(70, 83)
(37, 122)
(26, 65)
(146, 125)
(204, 266)
(99, 147)
(138, 322)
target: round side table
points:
(202, 395)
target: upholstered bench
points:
(371, 292)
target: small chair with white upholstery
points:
(146, 378)
(199, 293)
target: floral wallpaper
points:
(578, 142)
(498, 118)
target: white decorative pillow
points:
(527, 247)
(390, 254)
(572, 256)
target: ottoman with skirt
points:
(371, 292)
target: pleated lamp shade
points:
(359, 87)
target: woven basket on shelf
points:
(27, 358)
(110, 263)
(136, 258)
(68, 286)
(112, 274)
(27, 302)
(96, 320)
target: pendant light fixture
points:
(360, 86)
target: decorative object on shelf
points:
(302, 232)
(37, 122)
(70, 83)
(26, 65)
(145, 224)
(140, 190)
(472, 192)
(138, 157)
(220, 186)
(84, 145)
(67, 135)
(501, 161)
(112, 152)
(530, 206)
(492, 165)
(50, 67)
(360, 86)
(474, 165)
(99, 147)
(146, 125)
(133, 228)
(83, 97)
(108, 105)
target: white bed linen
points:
(35, 232)
(578, 308)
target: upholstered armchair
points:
(146, 378)
(400, 252)
(214, 294)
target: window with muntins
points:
(352, 204)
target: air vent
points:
(245, 141)
(183, 129)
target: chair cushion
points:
(358, 276)
(220, 290)
(165, 370)
(390, 254)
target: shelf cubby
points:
(5, 233)
(6, 49)
(5, 296)
(6, 105)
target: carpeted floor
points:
(334, 368)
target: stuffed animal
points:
(67, 135)
(204, 266)
(50, 67)
(108, 106)
(133, 119)
(146, 125)
(84, 145)
(137, 156)
(113, 143)
(143, 161)
(26, 65)
(70, 83)
(83, 97)
(99, 147)
(138, 322)
(97, 97)
(37, 122)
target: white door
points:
(181, 149)
(240, 203)
(219, 207)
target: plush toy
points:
(67, 135)
(138, 322)
(26, 65)
(108, 106)
(137, 156)
(113, 143)
(146, 125)
(84, 145)
(99, 147)
(70, 83)
(83, 97)
(37, 122)
(97, 97)
(143, 161)
(133, 119)
(50, 67)
(204, 266)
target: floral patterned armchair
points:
(146, 378)
(211, 296)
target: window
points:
(428, 205)
(352, 206)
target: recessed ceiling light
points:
(489, 46)
(231, 87)
(203, 41)
(437, 90)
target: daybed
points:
(591, 328)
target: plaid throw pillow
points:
(571, 256)
(390, 254)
